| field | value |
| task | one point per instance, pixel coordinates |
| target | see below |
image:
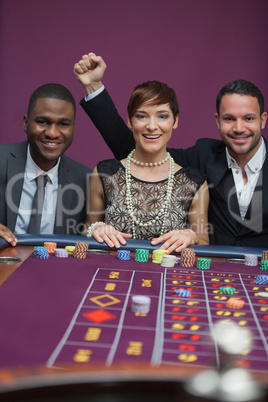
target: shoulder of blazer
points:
(210, 144)
(266, 143)
(70, 168)
(16, 149)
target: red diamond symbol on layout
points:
(99, 316)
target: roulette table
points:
(67, 329)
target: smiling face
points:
(50, 129)
(152, 127)
(240, 125)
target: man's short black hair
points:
(54, 91)
(241, 87)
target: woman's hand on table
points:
(109, 235)
(8, 235)
(176, 240)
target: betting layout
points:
(58, 310)
(177, 330)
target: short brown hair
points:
(154, 93)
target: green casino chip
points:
(264, 265)
(203, 263)
(141, 255)
(38, 247)
(227, 291)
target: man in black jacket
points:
(49, 124)
(236, 166)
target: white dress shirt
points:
(94, 94)
(252, 168)
(28, 191)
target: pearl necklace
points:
(162, 214)
(151, 164)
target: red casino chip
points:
(80, 254)
(81, 246)
(187, 257)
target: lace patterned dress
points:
(148, 198)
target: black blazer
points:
(208, 155)
(73, 182)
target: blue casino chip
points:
(261, 280)
(123, 255)
(182, 292)
(41, 254)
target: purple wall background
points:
(195, 46)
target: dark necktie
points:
(37, 207)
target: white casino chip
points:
(140, 304)
(263, 294)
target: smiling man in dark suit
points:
(49, 125)
(236, 166)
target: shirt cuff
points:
(94, 94)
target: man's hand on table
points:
(8, 235)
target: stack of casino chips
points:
(123, 255)
(183, 292)
(80, 250)
(261, 280)
(41, 253)
(50, 246)
(158, 255)
(140, 304)
(251, 260)
(264, 265)
(227, 290)
(168, 261)
(61, 252)
(203, 263)
(70, 249)
(234, 303)
(37, 247)
(141, 255)
(187, 257)
(264, 255)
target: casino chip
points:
(187, 257)
(61, 252)
(234, 303)
(182, 292)
(251, 260)
(168, 261)
(37, 247)
(140, 304)
(50, 246)
(70, 249)
(123, 255)
(41, 253)
(261, 280)
(203, 263)
(141, 255)
(227, 291)
(158, 255)
(264, 265)
(80, 250)
(263, 294)
(264, 255)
